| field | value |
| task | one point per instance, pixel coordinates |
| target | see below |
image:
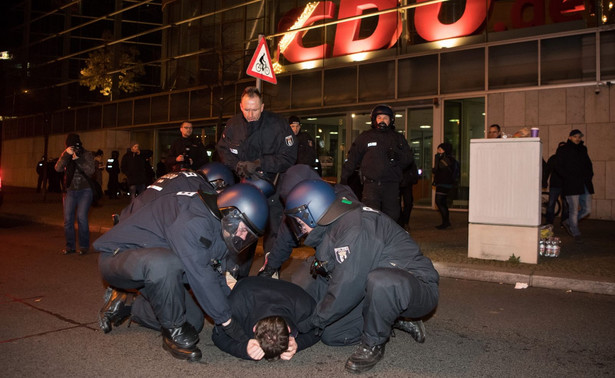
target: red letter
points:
(429, 27)
(387, 31)
(516, 13)
(293, 50)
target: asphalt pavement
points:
(587, 267)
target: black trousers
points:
(390, 293)
(383, 196)
(158, 275)
(442, 203)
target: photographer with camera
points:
(77, 164)
(186, 152)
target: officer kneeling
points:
(368, 275)
(179, 239)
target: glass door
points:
(420, 131)
(464, 119)
(329, 133)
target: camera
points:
(78, 148)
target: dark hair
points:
(272, 335)
(447, 147)
(293, 119)
(251, 92)
(496, 126)
(98, 153)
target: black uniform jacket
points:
(369, 151)
(270, 140)
(255, 298)
(358, 242)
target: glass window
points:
(418, 76)
(420, 129)
(277, 96)
(464, 119)
(341, 86)
(306, 89)
(463, 71)
(514, 65)
(329, 133)
(200, 103)
(568, 59)
(179, 106)
(607, 55)
(142, 111)
(377, 81)
(124, 113)
(110, 115)
(160, 108)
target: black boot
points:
(444, 225)
(416, 329)
(181, 342)
(114, 311)
(364, 358)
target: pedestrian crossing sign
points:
(260, 67)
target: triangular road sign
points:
(260, 67)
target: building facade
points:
(449, 69)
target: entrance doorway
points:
(463, 119)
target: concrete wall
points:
(556, 112)
(20, 156)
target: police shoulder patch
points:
(289, 140)
(342, 253)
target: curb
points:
(532, 280)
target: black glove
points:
(247, 168)
(234, 331)
(392, 155)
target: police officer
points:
(368, 275)
(285, 242)
(186, 152)
(306, 149)
(258, 141)
(179, 239)
(382, 154)
(268, 310)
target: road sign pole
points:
(259, 82)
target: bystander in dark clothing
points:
(306, 148)
(78, 165)
(555, 183)
(575, 167)
(134, 166)
(445, 176)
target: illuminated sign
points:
(426, 20)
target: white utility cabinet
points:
(505, 199)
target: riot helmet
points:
(218, 175)
(306, 204)
(383, 109)
(259, 181)
(244, 212)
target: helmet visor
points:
(219, 185)
(300, 221)
(235, 231)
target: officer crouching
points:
(179, 239)
(368, 275)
